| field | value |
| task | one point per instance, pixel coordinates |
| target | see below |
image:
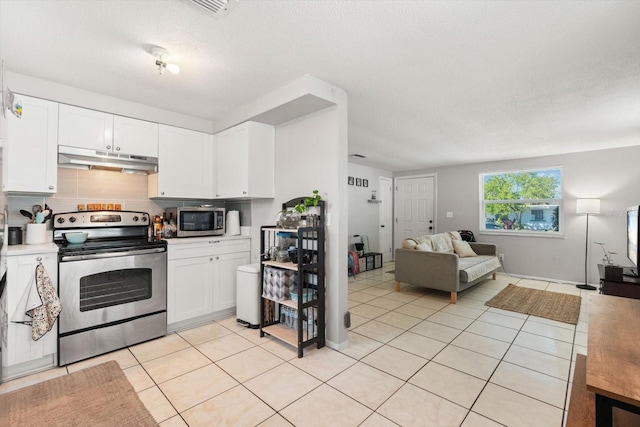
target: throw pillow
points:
(409, 244)
(463, 249)
(454, 235)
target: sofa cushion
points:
(472, 268)
(463, 249)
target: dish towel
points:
(39, 306)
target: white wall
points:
(611, 175)
(364, 217)
(308, 153)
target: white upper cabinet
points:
(96, 130)
(30, 152)
(185, 165)
(246, 161)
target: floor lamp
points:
(587, 207)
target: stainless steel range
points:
(113, 287)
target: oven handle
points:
(112, 254)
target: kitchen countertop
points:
(15, 250)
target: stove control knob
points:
(60, 220)
(72, 219)
(144, 219)
(135, 219)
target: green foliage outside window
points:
(508, 196)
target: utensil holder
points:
(36, 234)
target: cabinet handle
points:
(217, 257)
(214, 241)
(39, 259)
(210, 259)
(51, 187)
(117, 148)
(244, 192)
(162, 193)
(108, 147)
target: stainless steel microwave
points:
(197, 221)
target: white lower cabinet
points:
(201, 279)
(21, 355)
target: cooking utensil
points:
(35, 209)
(39, 218)
(48, 215)
(26, 213)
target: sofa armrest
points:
(484, 248)
(434, 270)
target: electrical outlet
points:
(449, 214)
(501, 257)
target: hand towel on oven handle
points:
(39, 306)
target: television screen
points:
(632, 234)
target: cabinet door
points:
(233, 167)
(246, 161)
(189, 288)
(225, 273)
(84, 128)
(30, 163)
(184, 164)
(21, 347)
(136, 137)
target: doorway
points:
(385, 195)
(415, 207)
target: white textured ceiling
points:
(430, 83)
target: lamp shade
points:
(588, 206)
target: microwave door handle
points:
(112, 254)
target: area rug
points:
(96, 396)
(550, 305)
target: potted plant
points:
(310, 206)
(314, 200)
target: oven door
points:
(100, 291)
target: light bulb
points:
(173, 68)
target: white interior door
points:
(385, 194)
(415, 202)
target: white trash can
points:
(248, 295)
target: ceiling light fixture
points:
(162, 56)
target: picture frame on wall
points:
(365, 182)
(350, 180)
(358, 182)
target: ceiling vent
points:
(218, 8)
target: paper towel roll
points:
(233, 223)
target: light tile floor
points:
(414, 360)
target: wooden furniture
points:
(613, 371)
(582, 410)
(298, 321)
(628, 287)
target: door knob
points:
(430, 228)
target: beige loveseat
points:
(445, 262)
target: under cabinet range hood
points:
(83, 158)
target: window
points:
(522, 202)
(537, 215)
